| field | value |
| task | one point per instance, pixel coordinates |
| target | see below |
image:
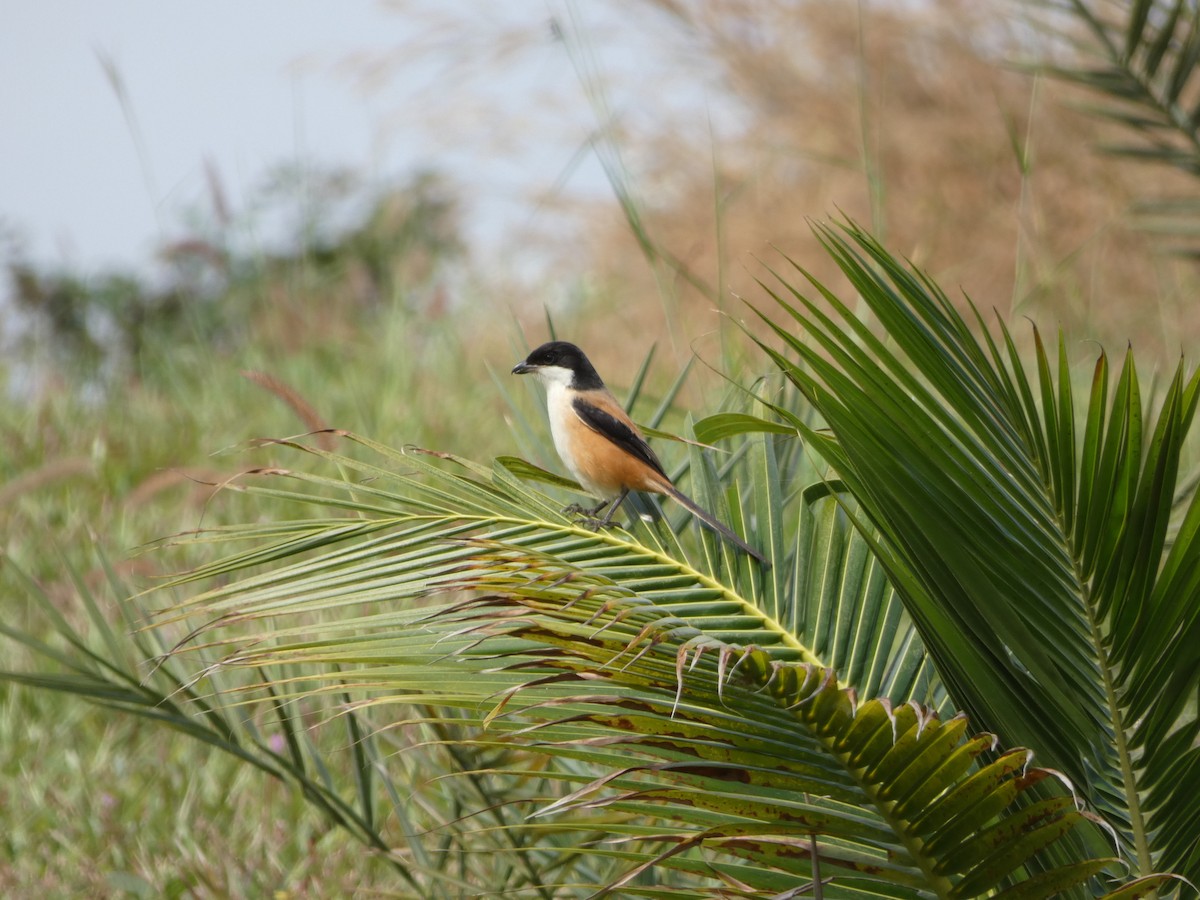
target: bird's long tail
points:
(711, 521)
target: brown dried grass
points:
(909, 117)
(305, 411)
(45, 475)
(987, 178)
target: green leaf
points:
(527, 470)
(723, 425)
(1028, 542)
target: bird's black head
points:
(557, 358)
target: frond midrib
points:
(1125, 762)
(748, 608)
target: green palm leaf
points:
(725, 745)
(1030, 548)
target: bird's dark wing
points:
(618, 432)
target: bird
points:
(599, 443)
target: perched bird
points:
(598, 442)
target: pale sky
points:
(221, 81)
(246, 86)
(489, 93)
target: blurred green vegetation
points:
(126, 403)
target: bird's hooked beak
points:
(523, 368)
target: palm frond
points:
(1029, 542)
(1141, 58)
(683, 678)
(737, 753)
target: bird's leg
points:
(589, 512)
(612, 509)
(589, 517)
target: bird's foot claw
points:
(589, 516)
(595, 523)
